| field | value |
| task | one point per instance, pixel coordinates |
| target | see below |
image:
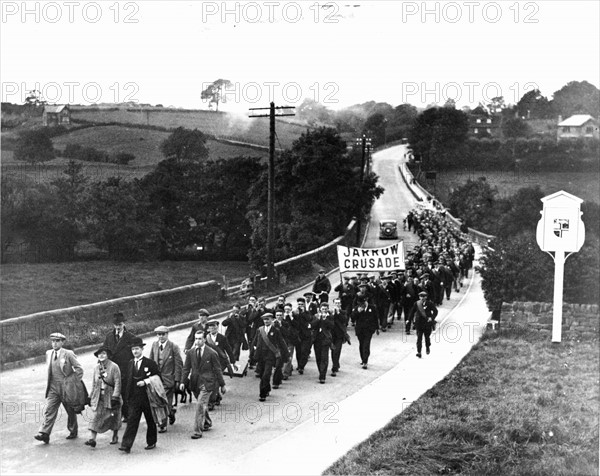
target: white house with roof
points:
(576, 126)
(56, 115)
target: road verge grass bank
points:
(517, 404)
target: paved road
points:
(301, 428)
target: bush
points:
(34, 146)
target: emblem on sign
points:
(561, 225)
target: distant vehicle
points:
(388, 229)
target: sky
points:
(337, 53)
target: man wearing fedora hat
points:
(167, 356)
(139, 370)
(62, 364)
(118, 342)
(424, 312)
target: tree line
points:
(514, 268)
(190, 207)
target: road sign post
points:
(560, 230)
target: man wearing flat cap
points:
(167, 356)
(118, 342)
(321, 283)
(269, 350)
(218, 342)
(424, 313)
(198, 326)
(62, 366)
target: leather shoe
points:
(427, 351)
(115, 440)
(150, 447)
(171, 419)
(300, 371)
(124, 449)
(43, 437)
(71, 436)
(275, 387)
(262, 399)
(206, 427)
(333, 374)
(322, 381)
(162, 429)
(196, 436)
(91, 443)
(419, 355)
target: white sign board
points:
(561, 228)
(388, 258)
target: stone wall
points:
(139, 307)
(578, 321)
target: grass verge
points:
(517, 404)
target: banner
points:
(371, 259)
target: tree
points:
(34, 146)
(496, 105)
(475, 202)
(317, 192)
(438, 135)
(185, 145)
(314, 113)
(515, 269)
(534, 106)
(375, 128)
(514, 127)
(121, 220)
(577, 97)
(215, 93)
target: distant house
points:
(579, 125)
(56, 115)
(481, 125)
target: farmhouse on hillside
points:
(579, 125)
(481, 125)
(56, 115)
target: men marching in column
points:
(62, 364)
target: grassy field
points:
(516, 405)
(29, 288)
(143, 143)
(583, 185)
(219, 124)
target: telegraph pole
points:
(271, 184)
(364, 142)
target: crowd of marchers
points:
(279, 339)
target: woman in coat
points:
(105, 399)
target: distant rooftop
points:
(576, 120)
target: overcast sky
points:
(338, 53)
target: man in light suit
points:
(61, 364)
(167, 356)
(202, 371)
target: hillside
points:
(143, 143)
(218, 124)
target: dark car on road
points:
(388, 229)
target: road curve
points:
(302, 428)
